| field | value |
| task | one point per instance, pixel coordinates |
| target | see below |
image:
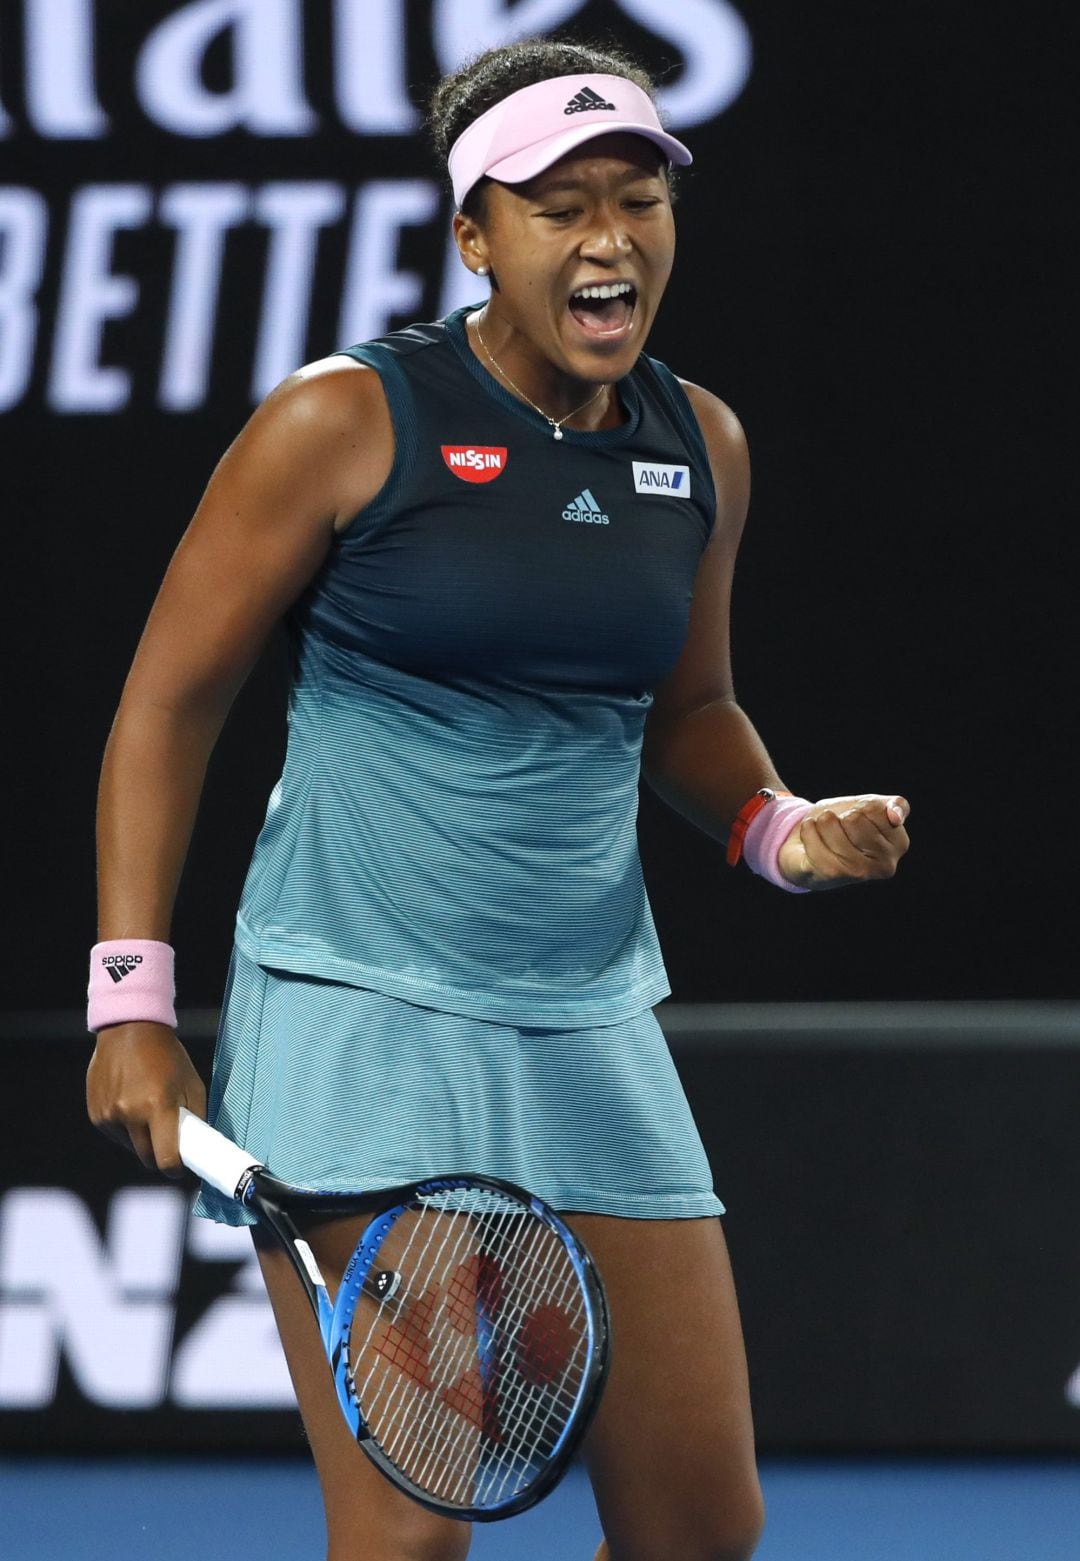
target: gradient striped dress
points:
(445, 957)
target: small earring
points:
(481, 270)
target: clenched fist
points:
(846, 840)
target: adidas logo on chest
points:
(585, 509)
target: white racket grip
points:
(212, 1156)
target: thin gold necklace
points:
(557, 426)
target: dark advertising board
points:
(901, 1218)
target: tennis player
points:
(503, 546)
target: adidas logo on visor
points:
(585, 508)
(585, 100)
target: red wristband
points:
(742, 820)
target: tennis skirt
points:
(342, 1088)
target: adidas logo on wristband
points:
(120, 965)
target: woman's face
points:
(601, 216)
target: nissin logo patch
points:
(475, 462)
(673, 481)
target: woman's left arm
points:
(701, 753)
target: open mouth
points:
(604, 311)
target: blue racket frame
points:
(339, 1323)
(235, 1173)
(275, 1202)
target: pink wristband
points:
(131, 978)
(766, 833)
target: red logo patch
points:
(475, 462)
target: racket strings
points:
(468, 1374)
(459, 1455)
(405, 1423)
(540, 1410)
(457, 1451)
(451, 1359)
(546, 1358)
(526, 1435)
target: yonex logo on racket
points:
(584, 100)
(585, 508)
(120, 965)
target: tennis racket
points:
(469, 1337)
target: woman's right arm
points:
(316, 451)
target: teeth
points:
(615, 290)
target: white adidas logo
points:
(585, 508)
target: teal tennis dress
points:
(445, 958)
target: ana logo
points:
(650, 477)
(475, 462)
(584, 100)
(585, 508)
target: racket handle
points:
(212, 1156)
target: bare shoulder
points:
(721, 429)
(729, 455)
(337, 378)
(331, 419)
(329, 397)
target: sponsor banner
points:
(132, 290)
(99, 1298)
(125, 1323)
(884, 1250)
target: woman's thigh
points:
(671, 1451)
(367, 1518)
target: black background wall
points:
(872, 272)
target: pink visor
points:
(534, 127)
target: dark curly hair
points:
(488, 78)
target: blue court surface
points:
(945, 1510)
